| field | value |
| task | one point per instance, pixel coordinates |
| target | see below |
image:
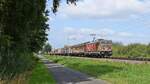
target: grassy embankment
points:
(41, 75)
(113, 72)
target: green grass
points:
(113, 72)
(41, 75)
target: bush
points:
(131, 50)
(15, 64)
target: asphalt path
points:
(64, 75)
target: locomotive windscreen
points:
(105, 45)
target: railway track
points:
(123, 58)
(119, 58)
(127, 58)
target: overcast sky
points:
(126, 21)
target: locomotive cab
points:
(105, 48)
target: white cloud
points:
(75, 36)
(125, 34)
(84, 33)
(68, 30)
(106, 8)
(87, 31)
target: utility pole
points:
(102, 35)
(94, 36)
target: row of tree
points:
(22, 33)
(131, 50)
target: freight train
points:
(97, 48)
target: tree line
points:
(22, 33)
(131, 50)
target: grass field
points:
(113, 72)
(40, 75)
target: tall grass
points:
(113, 72)
(14, 65)
(41, 75)
(17, 79)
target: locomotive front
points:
(105, 47)
(99, 48)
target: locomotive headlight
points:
(102, 52)
(110, 52)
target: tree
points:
(47, 48)
(148, 50)
(57, 2)
(22, 32)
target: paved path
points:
(65, 75)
